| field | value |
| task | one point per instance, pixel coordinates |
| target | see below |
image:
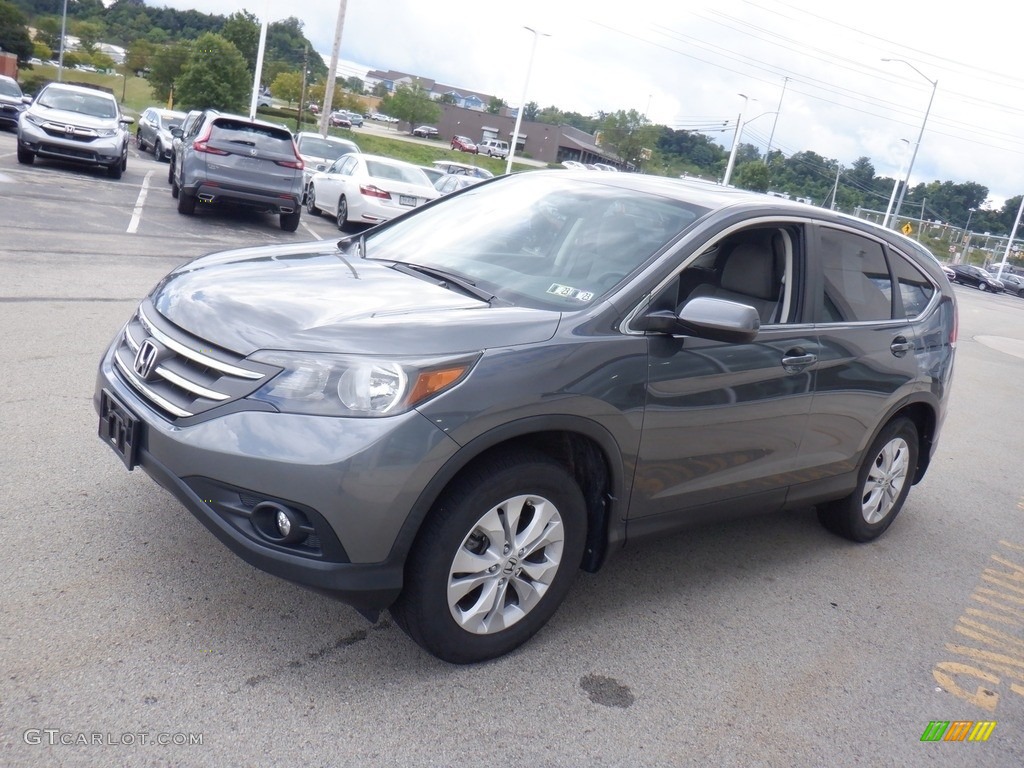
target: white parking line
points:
(306, 227)
(133, 225)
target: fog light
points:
(280, 524)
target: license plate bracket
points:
(409, 200)
(119, 428)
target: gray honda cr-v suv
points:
(452, 413)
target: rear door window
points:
(856, 280)
(248, 138)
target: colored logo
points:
(958, 730)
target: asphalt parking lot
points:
(130, 636)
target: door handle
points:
(900, 346)
(795, 360)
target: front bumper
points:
(104, 150)
(353, 480)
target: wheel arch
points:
(924, 415)
(584, 448)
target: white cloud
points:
(689, 61)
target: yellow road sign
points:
(907, 229)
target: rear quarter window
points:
(916, 290)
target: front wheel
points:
(982, 287)
(883, 483)
(158, 151)
(117, 169)
(25, 156)
(494, 559)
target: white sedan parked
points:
(368, 189)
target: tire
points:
(290, 221)
(158, 151)
(175, 189)
(494, 559)
(342, 216)
(170, 171)
(982, 287)
(117, 169)
(186, 201)
(883, 483)
(140, 143)
(311, 208)
(26, 156)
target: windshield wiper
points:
(446, 279)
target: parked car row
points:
(968, 274)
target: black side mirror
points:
(706, 318)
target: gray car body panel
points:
(687, 428)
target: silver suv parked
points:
(75, 124)
(232, 159)
(452, 413)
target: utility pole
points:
(332, 74)
(302, 91)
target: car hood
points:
(66, 117)
(312, 297)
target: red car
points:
(464, 144)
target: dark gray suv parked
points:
(452, 413)
(232, 159)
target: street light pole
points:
(895, 187)
(735, 142)
(778, 109)
(920, 135)
(522, 102)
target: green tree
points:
(41, 50)
(752, 176)
(89, 33)
(243, 29)
(214, 76)
(495, 105)
(14, 37)
(354, 84)
(413, 105)
(287, 86)
(531, 111)
(626, 134)
(48, 31)
(139, 55)
(165, 67)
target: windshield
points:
(83, 103)
(537, 239)
(10, 88)
(317, 147)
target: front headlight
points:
(356, 385)
(104, 133)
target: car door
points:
(867, 346)
(724, 421)
(330, 186)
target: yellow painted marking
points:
(982, 730)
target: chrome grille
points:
(178, 373)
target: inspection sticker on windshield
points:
(568, 292)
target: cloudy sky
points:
(686, 64)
